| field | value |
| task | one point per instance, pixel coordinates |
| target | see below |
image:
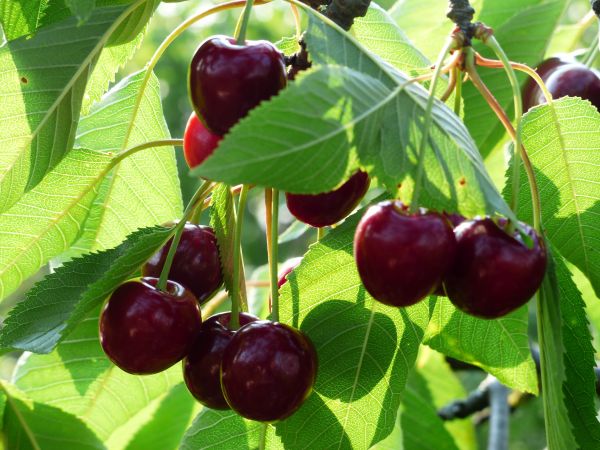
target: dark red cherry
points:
(532, 94)
(202, 365)
(227, 80)
(575, 80)
(198, 142)
(325, 209)
(144, 330)
(494, 273)
(268, 370)
(196, 264)
(401, 256)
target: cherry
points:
(268, 370)
(198, 142)
(202, 366)
(455, 220)
(575, 80)
(144, 330)
(563, 76)
(286, 269)
(196, 264)
(227, 80)
(325, 209)
(402, 256)
(494, 273)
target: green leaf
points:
(21, 18)
(49, 217)
(346, 115)
(429, 387)
(80, 380)
(366, 349)
(567, 357)
(43, 100)
(169, 421)
(524, 37)
(111, 60)
(222, 220)
(33, 425)
(425, 23)
(380, 34)
(56, 305)
(222, 430)
(500, 346)
(562, 142)
(81, 8)
(134, 23)
(143, 190)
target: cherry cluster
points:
(263, 370)
(484, 268)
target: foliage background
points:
(271, 23)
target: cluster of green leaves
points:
(65, 194)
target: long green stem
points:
(130, 151)
(427, 124)
(518, 102)
(241, 32)
(458, 91)
(234, 322)
(198, 197)
(593, 51)
(320, 233)
(273, 254)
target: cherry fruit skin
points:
(202, 365)
(198, 142)
(575, 80)
(402, 257)
(493, 273)
(286, 269)
(325, 209)
(144, 330)
(196, 264)
(268, 370)
(227, 80)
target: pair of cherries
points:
(403, 257)
(264, 371)
(226, 81)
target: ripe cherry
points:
(575, 80)
(227, 80)
(268, 370)
(494, 273)
(144, 330)
(202, 366)
(198, 142)
(401, 256)
(563, 76)
(325, 209)
(196, 264)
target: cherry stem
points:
(146, 145)
(320, 233)
(451, 86)
(234, 322)
(240, 34)
(592, 52)
(297, 21)
(582, 25)
(491, 100)
(427, 124)
(457, 91)
(273, 244)
(497, 64)
(197, 199)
